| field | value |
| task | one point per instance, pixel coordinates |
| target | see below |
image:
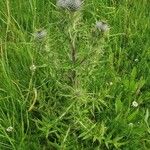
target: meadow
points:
(67, 85)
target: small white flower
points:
(135, 104)
(102, 25)
(40, 34)
(10, 129)
(136, 60)
(33, 67)
(111, 83)
(69, 4)
(130, 124)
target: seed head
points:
(72, 5)
(102, 26)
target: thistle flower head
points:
(72, 5)
(40, 34)
(102, 26)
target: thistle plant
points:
(67, 86)
(100, 31)
(74, 17)
(41, 41)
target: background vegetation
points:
(41, 110)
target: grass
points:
(54, 102)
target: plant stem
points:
(72, 41)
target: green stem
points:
(72, 41)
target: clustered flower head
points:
(102, 26)
(72, 5)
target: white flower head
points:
(10, 129)
(69, 4)
(40, 34)
(102, 26)
(135, 104)
(33, 67)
